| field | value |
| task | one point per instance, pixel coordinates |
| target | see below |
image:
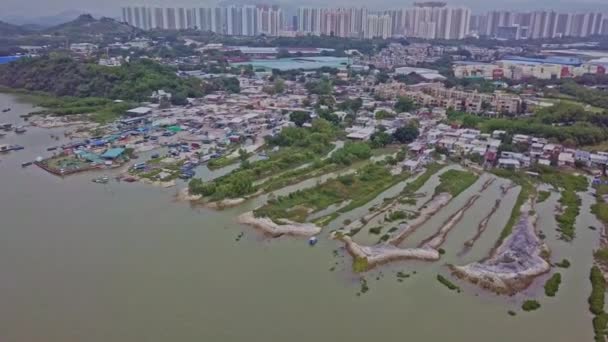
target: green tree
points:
(381, 139)
(279, 86)
(406, 134)
(300, 117)
(383, 114)
(404, 104)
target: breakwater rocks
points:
(384, 253)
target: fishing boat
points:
(20, 130)
(101, 180)
(26, 164)
(6, 126)
(312, 241)
(8, 148)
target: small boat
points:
(20, 130)
(101, 180)
(5, 110)
(312, 241)
(26, 164)
(52, 148)
(15, 147)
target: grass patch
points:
(353, 232)
(384, 238)
(596, 303)
(447, 283)
(364, 287)
(552, 284)
(527, 189)
(600, 208)
(298, 147)
(415, 185)
(570, 185)
(360, 187)
(375, 230)
(542, 196)
(396, 215)
(455, 182)
(402, 275)
(566, 220)
(360, 265)
(568, 182)
(224, 161)
(601, 255)
(530, 305)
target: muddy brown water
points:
(123, 262)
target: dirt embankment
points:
(429, 209)
(285, 227)
(384, 253)
(437, 239)
(483, 225)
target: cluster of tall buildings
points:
(431, 20)
(229, 20)
(539, 24)
(427, 20)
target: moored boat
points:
(101, 180)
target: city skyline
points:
(20, 10)
(425, 21)
(421, 21)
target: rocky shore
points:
(515, 263)
(184, 196)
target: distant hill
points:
(42, 22)
(7, 29)
(87, 25)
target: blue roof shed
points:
(113, 153)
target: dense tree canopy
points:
(406, 134)
(300, 117)
(320, 87)
(64, 76)
(404, 104)
(563, 122)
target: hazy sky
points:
(33, 8)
